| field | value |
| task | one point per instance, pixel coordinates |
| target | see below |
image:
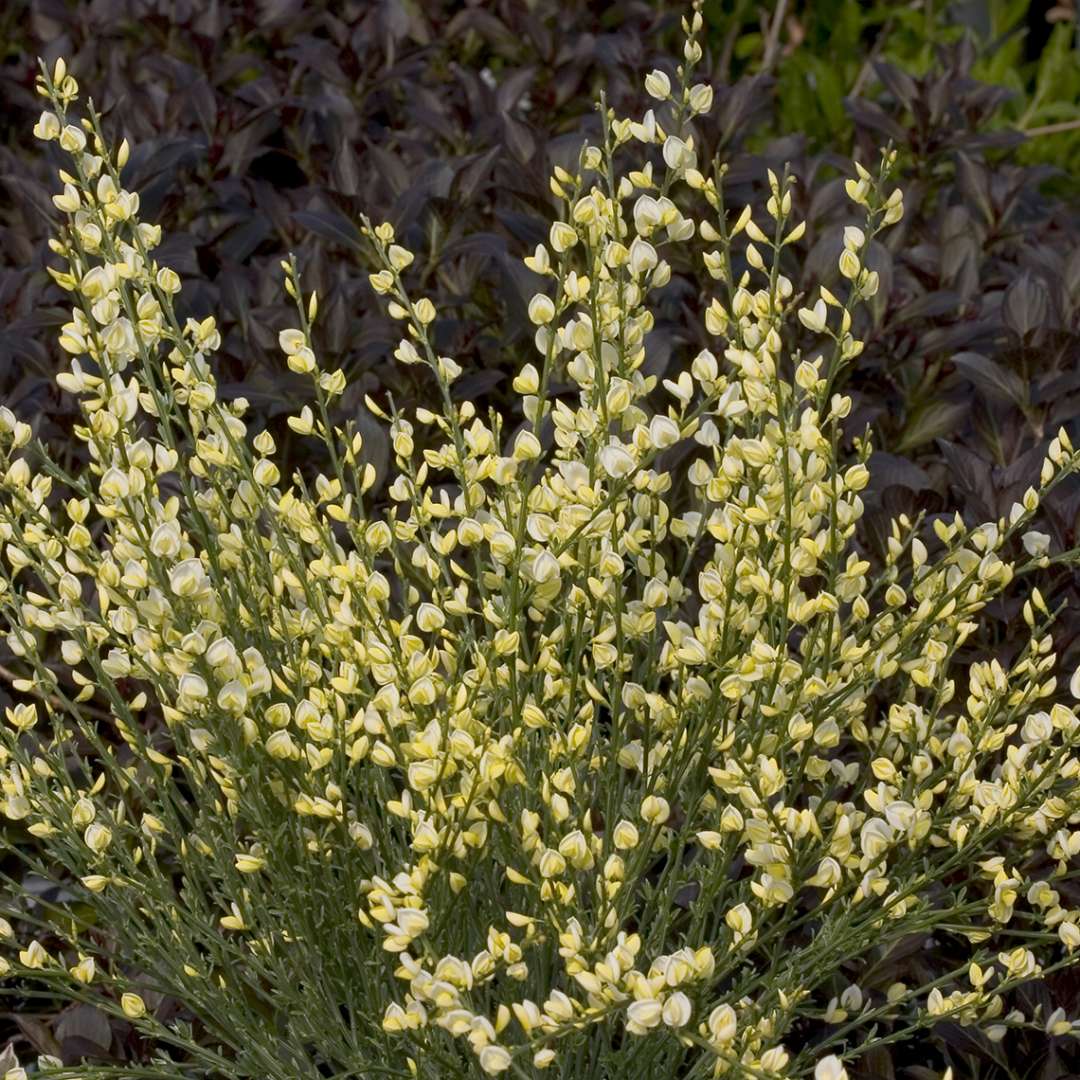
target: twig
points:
(1051, 129)
(772, 45)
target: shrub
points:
(595, 748)
(826, 53)
(257, 129)
(262, 128)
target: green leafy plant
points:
(824, 54)
(595, 747)
(1043, 76)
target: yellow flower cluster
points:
(595, 744)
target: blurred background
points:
(266, 126)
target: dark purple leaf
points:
(991, 378)
(330, 225)
(1026, 305)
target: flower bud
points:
(552, 864)
(643, 257)
(854, 237)
(495, 1059)
(655, 809)
(47, 127)
(830, 1068)
(701, 98)
(265, 473)
(541, 309)
(544, 568)
(849, 264)
(658, 85)
(133, 1006)
(168, 280)
(73, 139)
(83, 813)
(625, 836)
(526, 447)
(280, 745)
(97, 837)
(663, 432)
(677, 1010)
(430, 618)
(83, 971)
(562, 236)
